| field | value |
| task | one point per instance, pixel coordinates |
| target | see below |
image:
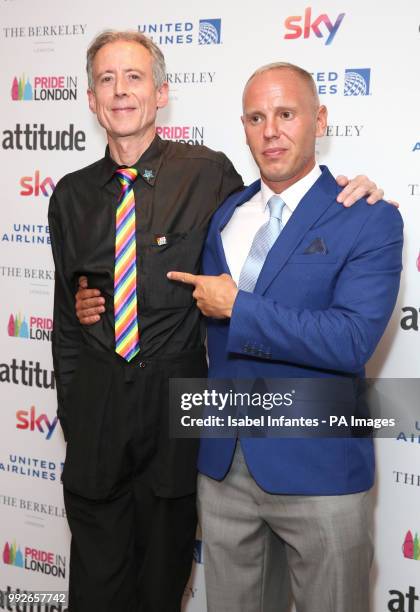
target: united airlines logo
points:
(357, 82)
(346, 81)
(205, 32)
(209, 31)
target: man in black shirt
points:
(129, 490)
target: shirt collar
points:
(147, 166)
(293, 194)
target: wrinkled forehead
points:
(120, 51)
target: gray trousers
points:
(256, 544)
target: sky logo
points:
(27, 419)
(293, 23)
(209, 31)
(34, 186)
(357, 82)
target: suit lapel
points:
(226, 213)
(310, 208)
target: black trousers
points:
(129, 489)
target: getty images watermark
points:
(329, 407)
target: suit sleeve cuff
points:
(242, 326)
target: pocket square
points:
(317, 246)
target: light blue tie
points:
(262, 243)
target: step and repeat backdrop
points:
(365, 59)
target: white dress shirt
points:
(247, 219)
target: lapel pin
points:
(148, 175)
(161, 240)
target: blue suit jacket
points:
(312, 314)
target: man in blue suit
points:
(294, 286)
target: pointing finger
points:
(183, 277)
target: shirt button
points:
(142, 364)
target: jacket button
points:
(142, 364)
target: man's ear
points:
(92, 100)
(321, 121)
(162, 95)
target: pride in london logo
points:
(12, 555)
(411, 546)
(44, 88)
(36, 328)
(21, 89)
(35, 560)
(18, 327)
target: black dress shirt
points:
(177, 190)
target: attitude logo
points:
(28, 419)
(411, 315)
(206, 32)
(27, 374)
(34, 186)
(411, 547)
(401, 598)
(306, 26)
(34, 560)
(33, 137)
(31, 328)
(190, 134)
(44, 88)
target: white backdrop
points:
(365, 59)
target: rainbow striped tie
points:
(125, 276)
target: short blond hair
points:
(304, 74)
